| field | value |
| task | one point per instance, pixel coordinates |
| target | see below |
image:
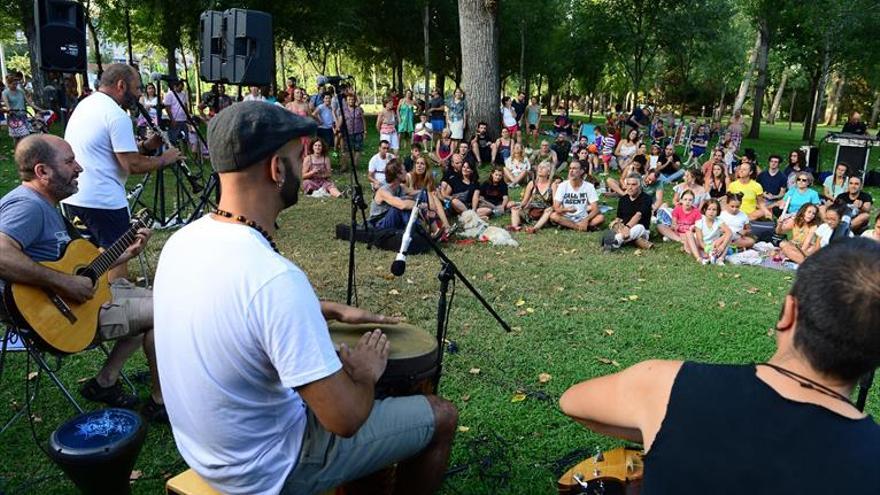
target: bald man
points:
(855, 125)
(32, 230)
(101, 134)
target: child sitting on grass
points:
(684, 217)
(709, 237)
(803, 241)
(737, 221)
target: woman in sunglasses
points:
(799, 195)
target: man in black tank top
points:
(785, 426)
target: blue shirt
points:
(799, 199)
(326, 115)
(773, 184)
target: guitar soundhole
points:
(88, 272)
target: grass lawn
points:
(576, 313)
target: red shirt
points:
(685, 220)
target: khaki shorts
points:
(398, 428)
(129, 312)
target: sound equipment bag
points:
(387, 239)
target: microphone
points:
(398, 267)
(332, 80)
(155, 76)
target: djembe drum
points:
(98, 449)
(411, 369)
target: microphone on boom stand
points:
(398, 266)
(193, 181)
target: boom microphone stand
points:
(357, 194)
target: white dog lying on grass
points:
(472, 226)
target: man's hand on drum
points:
(348, 314)
(367, 361)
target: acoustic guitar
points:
(615, 472)
(65, 326)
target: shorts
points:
(129, 312)
(326, 135)
(513, 128)
(398, 428)
(357, 141)
(698, 150)
(102, 227)
(438, 124)
(177, 131)
(421, 139)
(392, 138)
(576, 217)
(496, 209)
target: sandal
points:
(112, 396)
(154, 412)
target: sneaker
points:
(719, 262)
(665, 239)
(705, 261)
(154, 412)
(112, 396)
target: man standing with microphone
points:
(101, 134)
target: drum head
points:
(96, 432)
(407, 341)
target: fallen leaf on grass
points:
(530, 310)
(519, 303)
(518, 397)
(135, 475)
(521, 313)
(638, 252)
(36, 419)
(721, 304)
(465, 397)
(633, 297)
(516, 329)
(488, 276)
(394, 292)
(544, 377)
(640, 280)
(32, 375)
(388, 276)
(609, 332)
(409, 281)
(464, 429)
(753, 290)
(82, 380)
(736, 275)
(474, 371)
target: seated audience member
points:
(710, 236)
(799, 195)
(376, 168)
(672, 407)
(835, 184)
(736, 221)
(773, 181)
(482, 143)
(874, 233)
(391, 206)
(796, 163)
(803, 240)
(562, 124)
(716, 184)
(421, 179)
(454, 168)
(415, 151)
(658, 134)
(424, 131)
(259, 399)
(699, 142)
(517, 167)
(562, 147)
(654, 157)
(633, 222)
(443, 149)
(460, 189)
(652, 187)
(627, 149)
(753, 194)
(858, 202)
(636, 166)
(537, 201)
(545, 154)
(717, 157)
(693, 182)
(493, 198)
(684, 217)
(833, 228)
(669, 165)
(609, 144)
(576, 202)
(317, 172)
(502, 147)
(464, 149)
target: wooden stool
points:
(190, 483)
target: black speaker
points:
(854, 156)
(61, 35)
(237, 47)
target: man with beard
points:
(32, 230)
(258, 399)
(102, 137)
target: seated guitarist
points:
(33, 230)
(785, 426)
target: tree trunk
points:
(375, 84)
(820, 89)
(283, 69)
(831, 109)
(777, 100)
(808, 119)
(478, 21)
(400, 83)
(440, 83)
(791, 107)
(721, 103)
(875, 110)
(171, 60)
(592, 105)
(37, 76)
(747, 77)
(522, 53)
(761, 82)
(426, 24)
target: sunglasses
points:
(803, 179)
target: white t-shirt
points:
(709, 233)
(98, 129)
(424, 128)
(824, 233)
(377, 164)
(736, 223)
(580, 198)
(237, 328)
(250, 97)
(508, 117)
(518, 167)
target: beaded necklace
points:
(808, 383)
(250, 223)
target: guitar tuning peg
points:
(600, 457)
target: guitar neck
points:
(105, 260)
